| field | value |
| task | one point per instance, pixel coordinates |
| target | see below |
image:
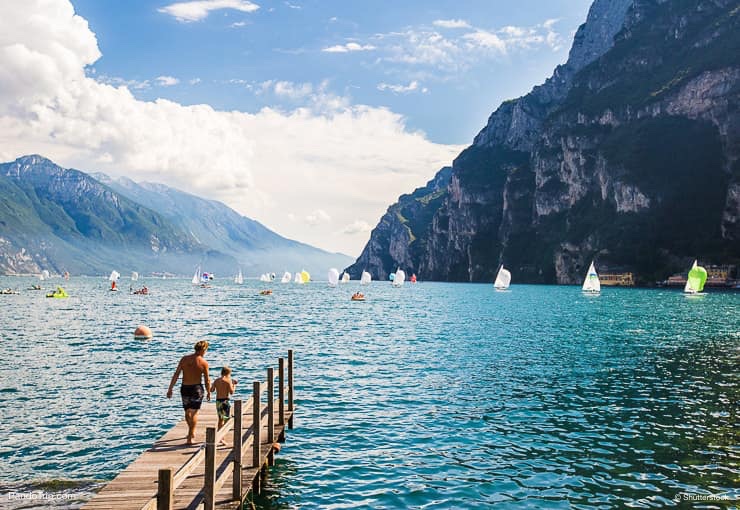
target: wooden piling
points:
(256, 421)
(237, 476)
(165, 489)
(290, 387)
(209, 498)
(281, 391)
(271, 414)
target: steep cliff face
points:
(627, 154)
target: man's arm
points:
(207, 379)
(174, 379)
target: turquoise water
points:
(428, 396)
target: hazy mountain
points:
(629, 154)
(256, 248)
(65, 220)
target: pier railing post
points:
(236, 493)
(281, 391)
(290, 387)
(165, 484)
(256, 425)
(209, 492)
(271, 413)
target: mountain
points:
(256, 248)
(65, 220)
(629, 154)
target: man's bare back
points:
(193, 367)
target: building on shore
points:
(617, 279)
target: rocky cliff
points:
(628, 155)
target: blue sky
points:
(225, 58)
(311, 117)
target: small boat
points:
(305, 276)
(34, 287)
(8, 291)
(239, 279)
(695, 281)
(266, 292)
(399, 278)
(503, 279)
(358, 296)
(333, 277)
(134, 276)
(591, 284)
(59, 293)
(366, 278)
(287, 277)
(298, 278)
(413, 278)
(345, 277)
(143, 291)
(196, 276)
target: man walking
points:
(192, 366)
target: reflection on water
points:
(431, 395)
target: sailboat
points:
(695, 281)
(366, 278)
(591, 284)
(399, 278)
(239, 279)
(134, 276)
(298, 278)
(113, 278)
(305, 276)
(286, 277)
(196, 276)
(345, 277)
(503, 279)
(333, 277)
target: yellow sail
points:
(305, 277)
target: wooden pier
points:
(171, 475)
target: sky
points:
(310, 116)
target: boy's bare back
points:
(224, 386)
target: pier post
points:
(164, 489)
(256, 425)
(281, 391)
(209, 498)
(236, 493)
(290, 387)
(271, 414)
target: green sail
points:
(697, 278)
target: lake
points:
(432, 395)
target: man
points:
(192, 366)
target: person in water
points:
(224, 387)
(193, 367)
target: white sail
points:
(264, 277)
(591, 283)
(333, 277)
(45, 275)
(366, 278)
(196, 276)
(298, 277)
(345, 277)
(286, 277)
(399, 278)
(688, 288)
(114, 276)
(134, 276)
(503, 279)
(239, 278)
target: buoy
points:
(142, 333)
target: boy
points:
(223, 386)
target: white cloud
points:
(451, 23)
(166, 81)
(195, 81)
(293, 6)
(318, 216)
(402, 89)
(238, 24)
(117, 82)
(265, 164)
(186, 12)
(482, 39)
(293, 90)
(345, 48)
(357, 227)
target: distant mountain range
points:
(58, 219)
(629, 154)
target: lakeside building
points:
(617, 279)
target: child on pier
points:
(224, 386)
